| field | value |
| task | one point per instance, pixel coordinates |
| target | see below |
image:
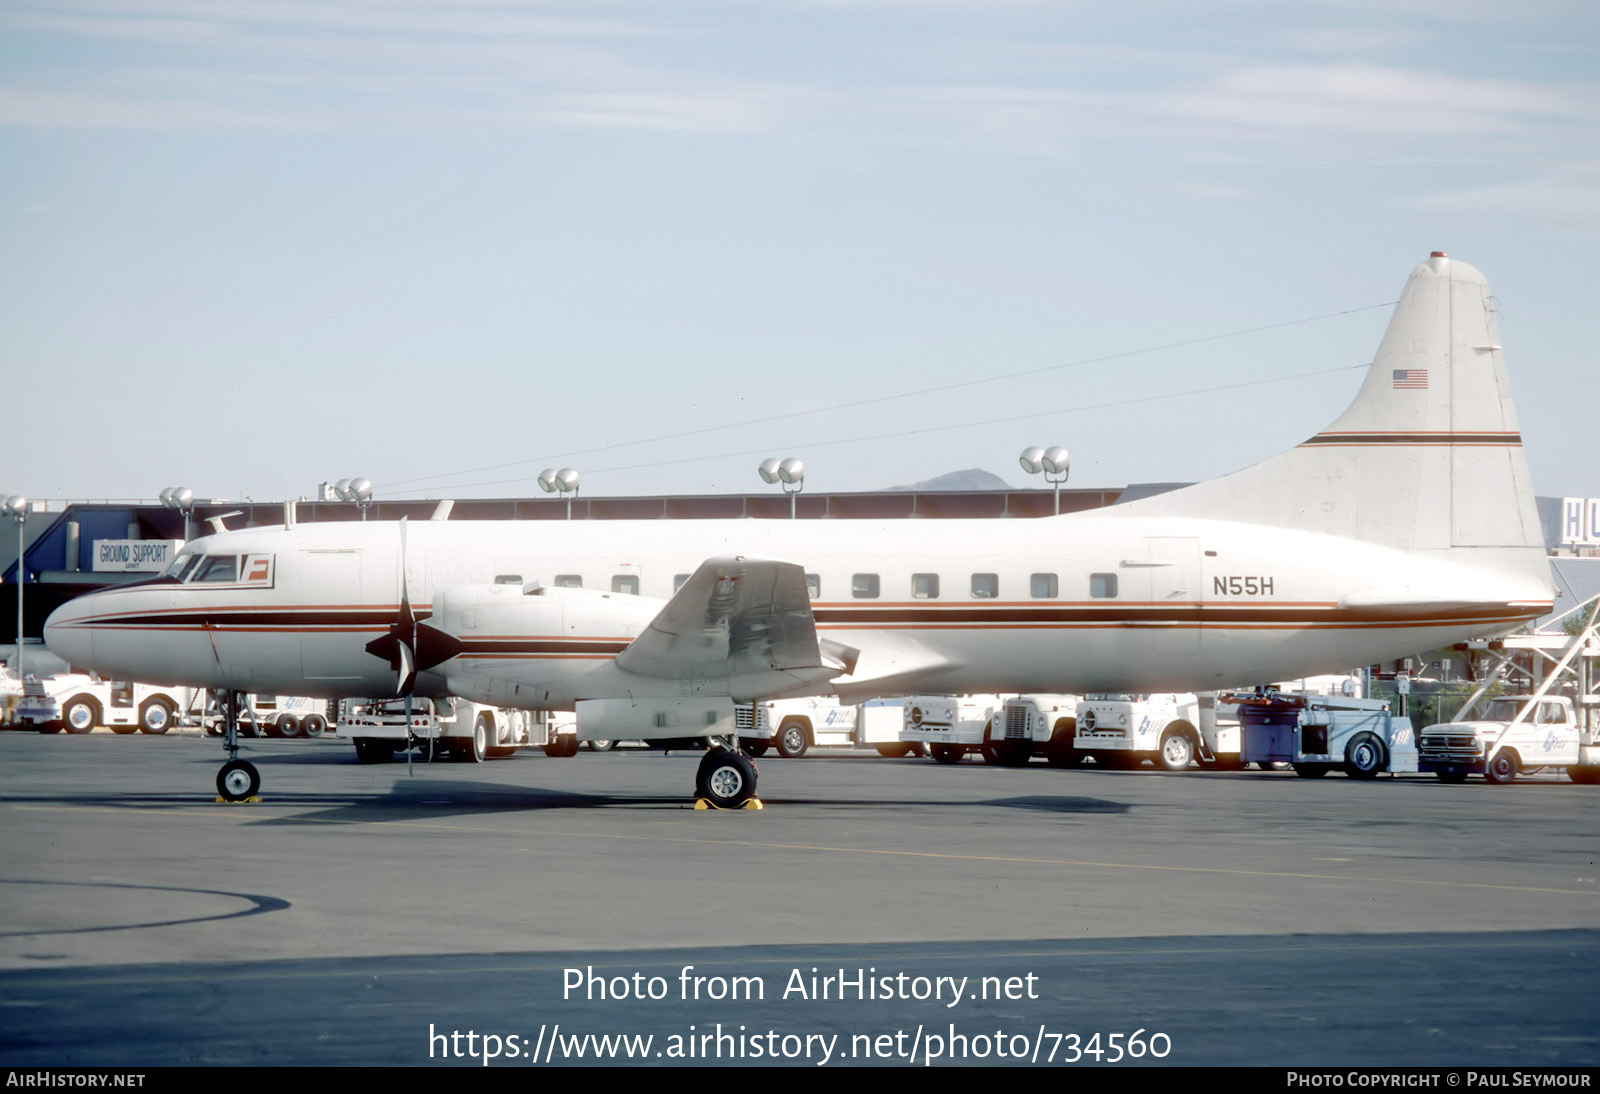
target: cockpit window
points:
(183, 565)
(219, 568)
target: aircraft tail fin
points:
(1427, 458)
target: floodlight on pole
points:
(180, 498)
(16, 507)
(563, 482)
(788, 473)
(1050, 462)
(356, 490)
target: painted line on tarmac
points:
(1013, 860)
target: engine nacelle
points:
(506, 621)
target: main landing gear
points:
(237, 780)
(726, 779)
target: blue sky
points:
(249, 246)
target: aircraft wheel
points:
(314, 725)
(155, 715)
(80, 715)
(947, 754)
(1502, 767)
(1311, 771)
(1176, 752)
(1364, 757)
(793, 740)
(725, 779)
(238, 780)
(899, 749)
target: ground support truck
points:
(950, 726)
(795, 726)
(1516, 735)
(1126, 730)
(82, 702)
(1543, 728)
(1317, 734)
(1037, 725)
(466, 731)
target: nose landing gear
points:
(237, 780)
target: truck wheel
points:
(372, 750)
(1014, 753)
(754, 748)
(794, 737)
(123, 731)
(1502, 767)
(990, 749)
(899, 749)
(288, 726)
(1176, 752)
(80, 715)
(314, 725)
(1311, 771)
(602, 745)
(725, 779)
(1060, 751)
(1452, 776)
(947, 754)
(1584, 776)
(474, 749)
(155, 715)
(1365, 757)
(562, 747)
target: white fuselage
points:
(1074, 603)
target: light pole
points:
(561, 482)
(356, 490)
(16, 507)
(1048, 462)
(789, 472)
(182, 499)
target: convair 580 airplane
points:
(1407, 524)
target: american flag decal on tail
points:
(1410, 379)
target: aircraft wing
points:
(735, 616)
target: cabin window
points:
(864, 586)
(680, 580)
(925, 586)
(219, 568)
(1044, 587)
(625, 583)
(508, 579)
(985, 586)
(569, 581)
(1103, 586)
(184, 566)
(814, 585)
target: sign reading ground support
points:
(134, 556)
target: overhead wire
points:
(391, 487)
(812, 444)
